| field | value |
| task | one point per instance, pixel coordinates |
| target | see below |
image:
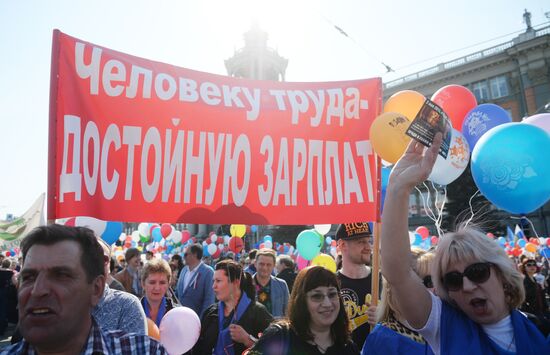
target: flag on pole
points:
(11, 233)
(509, 234)
(519, 233)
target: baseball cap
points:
(351, 231)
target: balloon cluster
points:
(525, 246)
(508, 160)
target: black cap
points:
(351, 231)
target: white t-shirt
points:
(502, 332)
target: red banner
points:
(136, 140)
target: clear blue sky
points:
(200, 34)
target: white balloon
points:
(448, 170)
(144, 229)
(212, 248)
(176, 236)
(122, 237)
(214, 238)
(268, 244)
(135, 236)
(97, 225)
(221, 246)
(323, 228)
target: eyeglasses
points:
(319, 297)
(477, 273)
(427, 281)
(531, 264)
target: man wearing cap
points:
(354, 243)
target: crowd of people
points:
(67, 293)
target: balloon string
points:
(427, 209)
(471, 209)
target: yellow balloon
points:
(325, 261)
(237, 230)
(387, 135)
(406, 102)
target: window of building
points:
(499, 86)
(481, 91)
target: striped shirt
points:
(103, 342)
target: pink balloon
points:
(301, 262)
(179, 330)
(542, 120)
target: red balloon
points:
(185, 235)
(548, 241)
(423, 231)
(236, 244)
(165, 229)
(456, 101)
(491, 235)
(534, 240)
(434, 240)
(70, 222)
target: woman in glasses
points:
(235, 322)
(317, 322)
(391, 335)
(478, 287)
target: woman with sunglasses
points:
(235, 322)
(391, 335)
(317, 321)
(478, 286)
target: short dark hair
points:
(286, 260)
(91, 258)
(6, 263)
(130, 253)
(234, 271)
(252, 254)
(298, 314)
(196, 249)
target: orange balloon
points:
(152, 329)
(387, 135)
(530, 247)
(406, 102)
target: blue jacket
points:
(279, 296)
(199, 294)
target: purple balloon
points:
(481, 119)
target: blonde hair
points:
(470, 244)
(421, 261)
(155, 266)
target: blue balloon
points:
(268, 238)
(510, 167)
(545, 252)
(112, 232)
(156, 234)
(521, 243)
(253, 228)
(501, 241)
(481, 119)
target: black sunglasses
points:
(531, 264)
(477, 273)
(427, 281)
